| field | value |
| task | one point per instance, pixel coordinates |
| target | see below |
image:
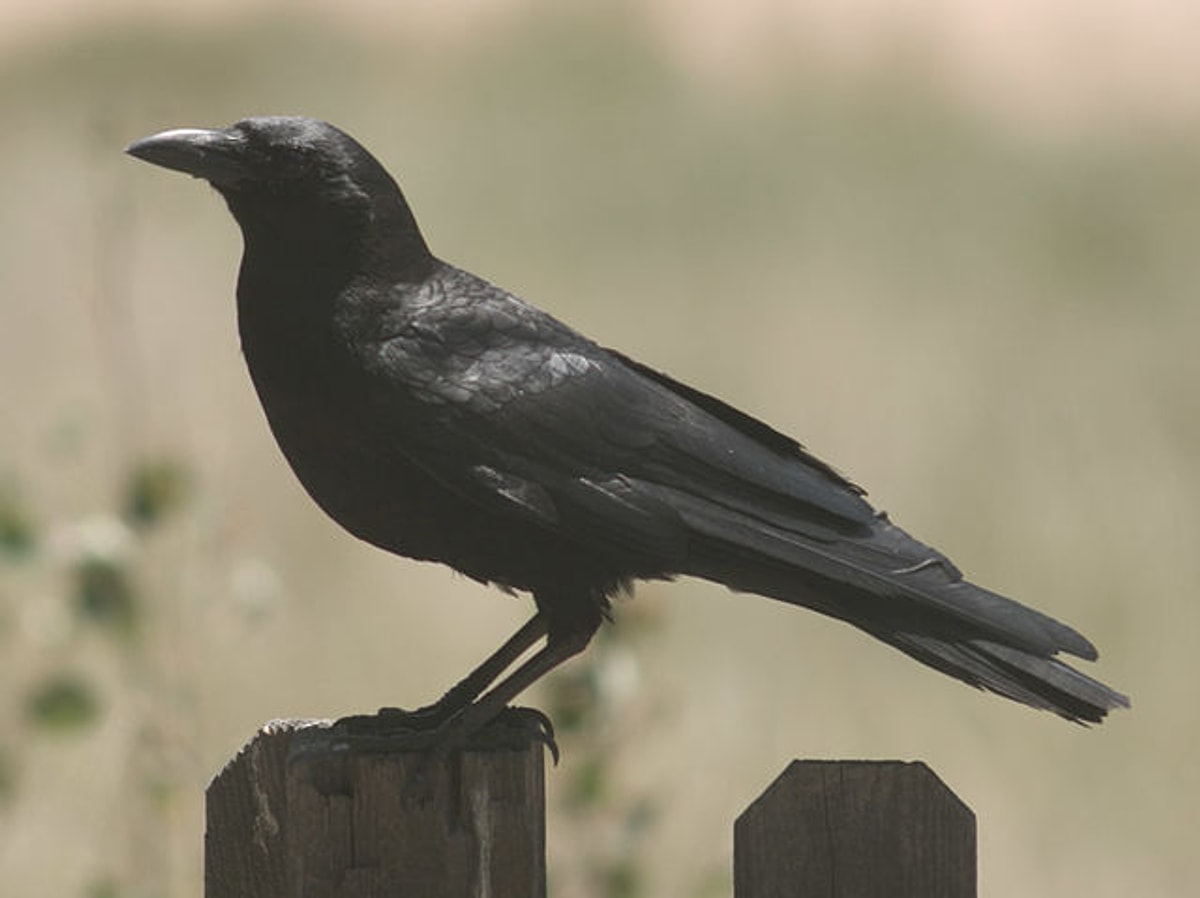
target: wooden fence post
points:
(855, 829)
(306, 812)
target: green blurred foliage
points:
(64, 702)
(588, 783)
(155, 490)
(571, 698)
(104, 595)
(8, 774)
(621, 879)
(596, 708)
(104, 888)
(17, 532)
(101, 567)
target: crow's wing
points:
(524, 415)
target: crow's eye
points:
(285, 163)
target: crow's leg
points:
(560, 646)
(460, 696)
(473, 684)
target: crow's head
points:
(280, 153)
(292, 180)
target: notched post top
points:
(856, 829)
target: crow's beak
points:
(216, 156)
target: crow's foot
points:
(433, 729)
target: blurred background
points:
(951, 246)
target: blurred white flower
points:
(256, 587)
(618, 675)
(101, 538)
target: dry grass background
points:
(990, 324)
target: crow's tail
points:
(908, 595)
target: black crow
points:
(439, 417)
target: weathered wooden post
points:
(855, 829)
(305, 811)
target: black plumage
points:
(441, 418)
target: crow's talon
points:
(527, 722)
(387, 722)
(512, 728)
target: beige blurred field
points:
(975, 290)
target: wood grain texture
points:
(855, 829)
(305, 812)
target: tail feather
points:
(906, 594)
(1044, 683)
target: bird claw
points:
(513, 728)
(388, 722)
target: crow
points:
(439, 417)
